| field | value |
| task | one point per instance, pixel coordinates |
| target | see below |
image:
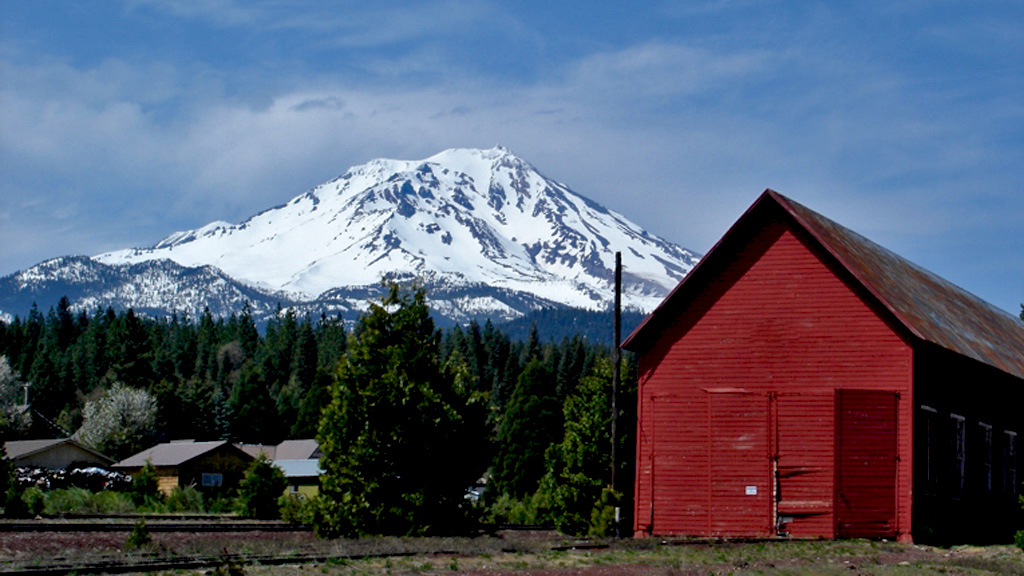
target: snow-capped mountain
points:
(482, 230)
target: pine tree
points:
(579, 467)
(531, 423)
(392, 434)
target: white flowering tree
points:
(120, 422)
(15, 415)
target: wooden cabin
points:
(803, 381)
(213, 467)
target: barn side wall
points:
(747, 373)
(970, 422)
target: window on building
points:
(929, 443)
(985, 447)
(1010, 465)
(212, 480)
(959, 453)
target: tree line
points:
(408, 416)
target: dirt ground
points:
(501, 554)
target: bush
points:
(107, 502)
(81, 501)
(139, 536)
(295, 509)
(186, 499)
(260, 489)
(602, 518)
(1019, 537)
(219, 503)
(67, 501)
(35, 500)
(144, 485)
(14, 505)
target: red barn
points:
(803, 381)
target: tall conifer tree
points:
(392, 434)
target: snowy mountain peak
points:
(459, 218)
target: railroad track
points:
(153, 525)
(187, 563)
(163, 561)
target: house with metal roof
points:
(208, 466)
(298, 459)
(804, 381)
(303, 449)
(54, 454)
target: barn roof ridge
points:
(931, 308)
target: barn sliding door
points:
(740, 471)
(865, 464)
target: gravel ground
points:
(503, 554)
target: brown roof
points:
(932, 309)
(287, 450)
(297, 450)
(174, 453)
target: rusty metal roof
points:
(932, 309)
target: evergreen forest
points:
(409, 417)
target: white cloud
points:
(677, 134)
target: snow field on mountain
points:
(462, 216)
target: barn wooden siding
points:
(738, 399)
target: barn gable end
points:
(777, 388)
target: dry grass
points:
(509, 553)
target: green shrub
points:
(67, 501)
(260, 489)
(108, 502)
(602, 518)
(220, 503)
(295, 509)
(14, 505)
(1019, 537)
(144, 485)
(139, 536)
(35, 500)
(82, 501)
(186, 499)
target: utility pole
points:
(616, 375)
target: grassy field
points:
(655, 558)
(501, 554)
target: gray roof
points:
(287, 450)
(297, 450)
(172, 453)
(304, 468)
(21, 448)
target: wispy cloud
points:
(677, 131)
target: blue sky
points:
(121, 122)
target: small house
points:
(56, 454)
(208, 466)
(804, 381)
(298, 459)
(304, 449)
